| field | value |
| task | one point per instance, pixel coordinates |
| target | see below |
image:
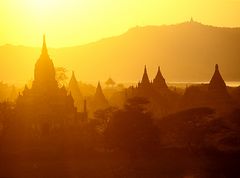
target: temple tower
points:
(145, 79)
(159, 81)
(74, 89)
(45, 105)
(44, 73)
(99, 100)
(217, 87)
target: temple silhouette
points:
(214, 94)
(158, 84)
(99, 100)
(161, 99)
(74, 91)
(164, 101)
(217, 86)
(45, 106)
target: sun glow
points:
(42, 4)
(75, 22)
(42, 8)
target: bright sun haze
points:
(75, 22)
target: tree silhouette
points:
(132, 129)
(6, 115)
(103, 116)
(61, 76)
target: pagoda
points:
(145, 83)
(74, 90)
(159, 82)
(45, 105)
(99, 100)
(217, 87)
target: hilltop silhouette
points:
(190, 45)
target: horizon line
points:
(130, 28)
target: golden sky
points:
(75, 22)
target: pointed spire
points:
(159, 80)
(44, 46)
(159, 71)
(99, 88)
(44, 73)
(74, 88)
(217, 82)
(99, 96)
(145, 79)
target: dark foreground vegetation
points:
(126, 142)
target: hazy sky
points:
(75, 22)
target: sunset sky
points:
(75, 22)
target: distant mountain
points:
(185, 52)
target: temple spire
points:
(44, 73)
(44, 46)
(159, 71)
(74, 89)
(99, 98)
(145, 79)
(217, 82)
(99, 89)
(159, 80)
(99, 93)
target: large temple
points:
(45, 105)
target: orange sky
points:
(75, 22)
